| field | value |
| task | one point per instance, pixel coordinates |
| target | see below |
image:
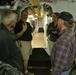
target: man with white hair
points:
(9, 52)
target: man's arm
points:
(24, 28)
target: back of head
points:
(56, 14)
(8, 16)
(67, 17)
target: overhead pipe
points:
(36, 7)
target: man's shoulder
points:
(1, 31)
(3, 35)
(19, 22)
(50, 24)
(28, 23)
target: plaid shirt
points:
(63, 52)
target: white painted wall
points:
(65, 5)
(60, 6)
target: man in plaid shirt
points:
(63, 51)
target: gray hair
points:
(67, 24)
(8, 16)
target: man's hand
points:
(54, 32)
(24, 27)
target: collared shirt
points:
(63, 52)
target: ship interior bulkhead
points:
(40, 11)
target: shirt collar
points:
(63, 31)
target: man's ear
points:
(62, 21)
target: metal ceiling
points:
(19, 3)
(34, 5)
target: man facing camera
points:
(23, 31)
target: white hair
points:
(8, 16)
(68, 24)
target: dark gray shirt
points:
(9, 52)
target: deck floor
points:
(38, 40)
